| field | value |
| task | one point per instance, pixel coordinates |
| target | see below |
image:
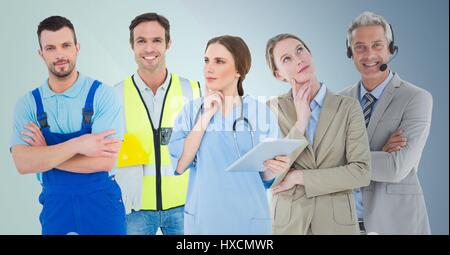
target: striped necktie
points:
(368, 106)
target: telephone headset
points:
(393, 49)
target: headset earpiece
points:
(349, 50)
(392, 46)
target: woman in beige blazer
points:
(315, 195)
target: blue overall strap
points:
(41, 115)
(88, 109)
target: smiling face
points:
(59, 51)
(293, 61)
(220, 70)
(149, 46)
(370, 50)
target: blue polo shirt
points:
(64, 110)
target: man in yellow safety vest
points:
(153, 195)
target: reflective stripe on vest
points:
(161, 189)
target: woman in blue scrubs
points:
(204, 140)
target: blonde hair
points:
(272, 42)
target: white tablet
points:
(253, 161)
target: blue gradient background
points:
(421, 32)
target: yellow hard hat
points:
(132, 152)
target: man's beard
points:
(63, 73)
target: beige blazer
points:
(337, 163)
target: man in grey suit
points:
(398, 118)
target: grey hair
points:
(368, 19)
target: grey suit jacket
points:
(393, 202)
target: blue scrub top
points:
(220, 202)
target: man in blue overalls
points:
(69, 132)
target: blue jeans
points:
(170, 221)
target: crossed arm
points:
(85, 154)
(397, 141)
(394, 165)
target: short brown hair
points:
(271, 45)
(241, 55)
(146, 17)
(55, 23)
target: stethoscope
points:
(236, 121)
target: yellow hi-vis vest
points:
(146, 144)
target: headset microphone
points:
(383, 67)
